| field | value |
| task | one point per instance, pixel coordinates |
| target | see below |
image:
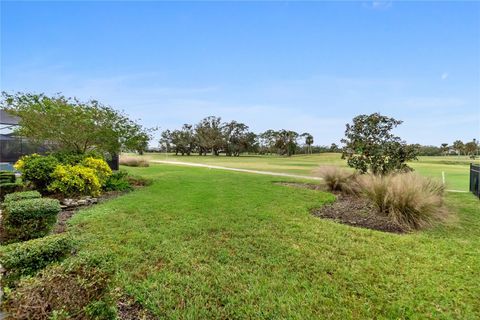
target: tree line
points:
(461, 148)
(232, 138)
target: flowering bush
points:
(75, 180)
(101, 168)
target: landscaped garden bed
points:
(356, 212)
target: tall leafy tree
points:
(370, 145)
(471, 148)
(308, 141)
(72, 125)
(209, 135)
(459, 147)
(444, 148)
(286, 142)
(235, 137)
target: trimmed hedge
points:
(30, 218)
(16, 196)
(77, 288)
(26, 258)
(9, 187)
(7, 177)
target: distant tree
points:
(72, 125)
(428, 150)
(471, 149)
(334, 147)
(209, 135)
(166, 140)
(235, 137)
(308, 141)
(266, 141)
(370, 145)
(286, 142)
(459, 147)
(444, 147)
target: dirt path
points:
(268, 173)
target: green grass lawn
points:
(211, 244)
(456, 169)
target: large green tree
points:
(71, 125)
(459, 147)
(209, 135)
(371, 146)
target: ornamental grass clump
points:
(133, 161)
(338, 179)
(407, 199)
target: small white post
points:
(443, 177)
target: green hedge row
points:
(26, 258)
(16, 196)
(7, 177)
(29, 218)
(77, 288)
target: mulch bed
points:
(350, 210)
(357, 212)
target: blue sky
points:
(309, 66)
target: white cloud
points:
(378, 5)
(444, 76)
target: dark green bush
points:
(7, 177)
(16, 196)
(70, 290)
(10, 187)
(37, 170)
(28, 257)
(118, 181)
(29, 219)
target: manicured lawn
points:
(456, 169)
(211, 244)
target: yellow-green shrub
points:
(37, 170)
(75, 180)
(100, 166)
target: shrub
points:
(338, 179)
(133, 161)
(26, 258)
(29, 219)
(37, 170)
(411, 201)
(16, 196)
(7, 188)
(118, 181)
(75, 180)
(101, 168)
(7, 177)
(67, 290)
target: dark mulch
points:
(311, 186)
(129, 309)
(357, 212)
(350, 210)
